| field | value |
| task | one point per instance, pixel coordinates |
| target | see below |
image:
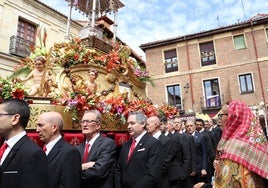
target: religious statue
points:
(42, 79)
(91, 84)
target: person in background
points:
(153, 128)
(163, 127)
(64, 161)
(170, 127)
(97, 153)
(200, 173)
(23, 163)
(216, 131)
(191, 144)
(211, 148)
(242, 151)
(207, 124)
(141, 158)
(180, 166)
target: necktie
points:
(2, 149)
(86, 152)
(45, 148)
(131, 149)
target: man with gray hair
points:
(141, 158)
(64, 163)
(97, 153)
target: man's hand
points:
(87, 165)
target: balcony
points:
(211, 103)
(171, 66)
(19, 46)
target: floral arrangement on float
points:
(68, 54)
(167, 111)
(11, 89)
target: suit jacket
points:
(25, 166)
(102, 152)
(143, 170)
(167, 146)
(180, 166)
(201, 152)
(191, 142)
(217, 132)
(64, 166)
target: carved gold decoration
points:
(37, 109)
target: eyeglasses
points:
(220, 115)
(6, 114)
(88, 121)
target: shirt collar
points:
(51, 144)
(138, 138)
(157, 134)
(91, 142)
(13, 140)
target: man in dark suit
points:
(64, 163)
(141, 158)
(23, 163)
(97, 152)
(200, 174)
(191, 144)
(180, 166)
(216, 131)
(210, 143)
(153, 128)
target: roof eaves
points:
(222, 29)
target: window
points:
(20, 44)
(266, 31)
(212, 93)
(174, 95)
(246, 84)
(239, 42)
(171, 61)
(207, 53)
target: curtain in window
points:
(239, 42)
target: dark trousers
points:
(198, 178)
(185, 183)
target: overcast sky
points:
(143, 21)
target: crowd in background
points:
(227, 151)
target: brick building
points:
(200, 72)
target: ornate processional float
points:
(90, 72)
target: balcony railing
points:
(19, 46)
(212, 102)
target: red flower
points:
(18, 94)
(76, 57)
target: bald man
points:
(64, 160)
(153, 128)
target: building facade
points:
(202, 71)
(20, 22)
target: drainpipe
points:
(190, 75)
(258, 64)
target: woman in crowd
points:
(242, 151)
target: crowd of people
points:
(161, 153)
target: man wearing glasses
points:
(23, 163)
(97, 153)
